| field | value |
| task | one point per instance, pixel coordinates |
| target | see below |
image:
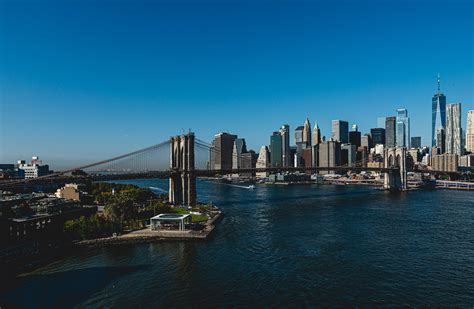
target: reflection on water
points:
(285, 246)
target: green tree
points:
(120, 208)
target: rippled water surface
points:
(284, 246)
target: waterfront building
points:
(402, 128)
(362, 156)
(276, 146)
(366, 141)
(340, 131)
(307, 133)
(263, 161)
(222, 151)
(390, 131)
(33, 169)
(354, 136)
(239, 148)
(348, 154)
(378, 136)
(249, 161)
(316, 137)
(438, 111)
(453, 129)
(470, 131)
(415, 142)
(446, 162)
(285, 150)
(330, 154)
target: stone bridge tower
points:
(395, 158)
(182, 186)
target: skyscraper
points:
(239, 148)
(285, 139)
(354, 136)
(276, 149)
(221, 152)
(438, 111)
(403, 128)
(453, 129)
(470, 131)
(390, 129)
(378, 136)
(381, 122)
(415, 142)
(307, 133)
(340, 131)
(316, 135)
(263, 161)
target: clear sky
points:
(86, 80)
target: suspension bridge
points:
(184, 158)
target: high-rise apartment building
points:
(390, 131)
(438, 112)
(470, 131)
(453, 129)
(403, 128)
(340, 131)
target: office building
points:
(276, 145)
(348, 154)
(438, 111)
(453, 133)
(340, 131)
(467, 160)
(222, 151)
(403, 128)
(263, 161)
(366, 141)
(239, 148)
(470, 131)
(378, 136)
(307, 133)
(34, 169)
(316, 137)
(249, 161)
(390, 131)
(285, 151)
(415, 142)
(381, 122)
(354, 136)
(330, 154)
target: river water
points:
(283, 246)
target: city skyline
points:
(131, 96)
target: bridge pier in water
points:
(395, 179)
(182, 182)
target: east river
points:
(282, 246)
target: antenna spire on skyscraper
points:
(438, 83)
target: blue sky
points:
(86, 80)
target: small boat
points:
(251, 187)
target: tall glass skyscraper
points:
(403, 128)
(390, 129)
(285, 139)
(276, 146)
(453, 129)
(438, 110)
(340, 131)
